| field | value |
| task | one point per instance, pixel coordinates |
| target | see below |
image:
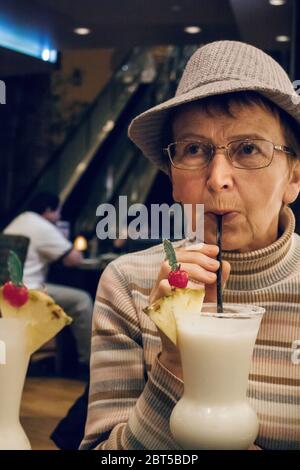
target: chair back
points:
(19, 244)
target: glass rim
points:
(250, 310)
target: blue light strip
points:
(19, 41)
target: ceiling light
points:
(282, 38)
(82, 31)
(192, 29)
(26, 42)
(277, 2)
(49, 55)
(45, 54)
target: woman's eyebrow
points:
(230, 138)
(192, 136)
(247, 136)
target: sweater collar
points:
(261, 268)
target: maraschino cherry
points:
(14, 291)
(177, 277)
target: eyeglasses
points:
(246, 154)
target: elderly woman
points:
(228, 140)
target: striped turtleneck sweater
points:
(132, 395)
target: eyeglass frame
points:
(282, 148)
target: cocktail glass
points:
(14, 359)
(216, 351)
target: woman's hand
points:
(199, 261)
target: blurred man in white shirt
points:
(47, 245)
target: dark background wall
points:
(24, 135)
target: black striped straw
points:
(219, 272)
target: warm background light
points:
(80, 243)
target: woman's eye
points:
(248, 149)
(193, 149)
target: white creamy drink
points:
(14, 360)
(216, 351)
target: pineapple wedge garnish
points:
(45, 318)
(166, 311)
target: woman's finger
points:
(211, 289)
(162, 288)
(200, 259)
(209, 250)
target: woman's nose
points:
(220, 172)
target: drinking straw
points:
(219, 272)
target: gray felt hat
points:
(216, 68)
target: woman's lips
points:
(227, 216)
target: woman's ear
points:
(293, 186)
